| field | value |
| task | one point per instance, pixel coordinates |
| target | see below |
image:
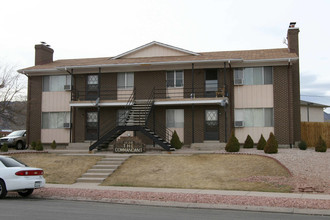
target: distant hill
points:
(326, 117)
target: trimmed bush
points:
(261, 143)
(33, 145)
(53, 145)
(321, 146)
(175, 141)
(271, 145)
(4, 148)
(248, 142)
(233, 144)
(39, 146)
(302, 145)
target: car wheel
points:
(25, 193)
(3, 189)
(19, 145)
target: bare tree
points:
(12, 91)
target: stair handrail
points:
(129, 104)
(150, 104)
(160, 128)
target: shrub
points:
(53, 145)
(33, 145)
(175, 141)
(302, 145)
(248, 142)
(271, 145)
(4, 148)
(233, 144)
(39, 146)
(321, 146)
(261, 143)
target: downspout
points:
(290, 102)
(225, 94)
(28, 109)
(192, 106)
(98, 106)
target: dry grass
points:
(59, 169)
(206, 171)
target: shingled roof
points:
(244, 55)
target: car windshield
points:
(16, 133)
(11, 162)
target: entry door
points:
(211, 82)
(211, 125)
(91, 125)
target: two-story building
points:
(157, 88)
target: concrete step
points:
(104, 166)
(90, 180)
(102, 162)
(116, 158)
(101, 171)
(95, 175)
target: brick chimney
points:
(43, 54)
(292, 37)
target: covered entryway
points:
(91, 125)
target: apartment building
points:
(154, 89)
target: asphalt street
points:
(34, 209)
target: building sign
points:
(129, 145)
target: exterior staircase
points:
(134, 119)
(104, 168)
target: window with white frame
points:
(253, 76)
(174, 118)
(174, 78)
(52, 120)
(125, 80)
(255, 117)
(55, 83)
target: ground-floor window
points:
(255, 117)
(174, 118)
(52, 120)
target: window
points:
(174, 118)
(174, 78)
(125, 80)
(92, 82)
(55, 119)
(55, 83)
(253, 76)
(121, 116)
(255, 117)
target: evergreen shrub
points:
(233, 144)
(248, 142)
(271, 145)
(321, 146)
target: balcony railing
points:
(165, 93)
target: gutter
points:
(230, 61)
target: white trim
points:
(179, 102)
(154, 43)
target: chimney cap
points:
(292, 25)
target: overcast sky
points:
(80, 29)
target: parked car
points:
(15, 139)
(16, 176)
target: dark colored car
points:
(15, 139)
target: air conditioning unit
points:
(66, 125)
(239, 124)
(238, 81)
(67, 87)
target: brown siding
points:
(79, 125)
(108, 85)
(144, 82)
(281, 100)
(34, 109)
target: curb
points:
(285, 210)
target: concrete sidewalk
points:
(243, 195)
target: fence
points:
(310, 132)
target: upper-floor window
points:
(253, 76)
(174, 78)
(55, 83)
(125, 80)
